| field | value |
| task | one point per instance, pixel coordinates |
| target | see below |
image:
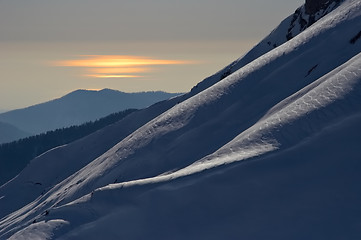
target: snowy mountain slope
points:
(15, 156)
(112, 202)
(79, 107)
(274, 106)
(288, 195)
(287, 29)
(95, 145)
(59, 163)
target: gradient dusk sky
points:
(52, 47)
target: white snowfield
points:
(177, 170)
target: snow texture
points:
(270, 151)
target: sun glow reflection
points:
(117, 66)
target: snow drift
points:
(179, 172)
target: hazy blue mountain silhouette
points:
(78, 107)
(10, 133)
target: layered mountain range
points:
(11, 133)
(266, 148)
(75, 108)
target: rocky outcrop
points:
(308, 14)
(313, 6)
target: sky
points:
(49, 48)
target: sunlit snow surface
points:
(294, 113)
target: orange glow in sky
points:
(119, 70)
(117, 66)
(111, 76)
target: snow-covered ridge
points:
(180, 174)
(286, 30)
(102, 141)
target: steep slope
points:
(275, 110)
(84, 151)
(14, 156)
(79, 107)
(290, 27)
(10, 133)
(303, 193)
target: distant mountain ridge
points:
(9, 133)
(79, 107)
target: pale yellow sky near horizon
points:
(200, 37)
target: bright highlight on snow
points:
(117, 66)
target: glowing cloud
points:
(111, 76)
(118, 70)
(117, 66)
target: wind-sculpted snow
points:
(118, 202)
(329, 100)
(182, 174)
(55, 166)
